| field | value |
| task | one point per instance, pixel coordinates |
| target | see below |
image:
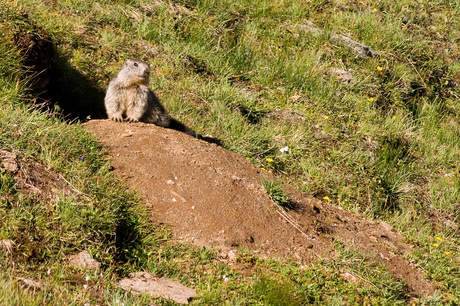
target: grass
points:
(385, 144)
(277, 194)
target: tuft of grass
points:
(276, 192)
(273, 292)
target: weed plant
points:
(276, 192)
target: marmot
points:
(129, 98)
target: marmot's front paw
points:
(131, 120)
(117, 118)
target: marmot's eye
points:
(135, 64)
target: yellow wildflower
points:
(371, 99)
(394, 117)
(326, 198)
(374, 10)
(268, 159)
(435, 245)
(439, 239)
(448, 253)
(379, 68)
(326, 117)
(404, 28)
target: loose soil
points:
(210, 196)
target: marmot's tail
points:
(176, 125)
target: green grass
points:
(276, 192)
(387, 144)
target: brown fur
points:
(129, 98)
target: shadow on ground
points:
(52, 81)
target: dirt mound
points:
(213, 197)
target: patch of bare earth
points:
(34, 178)
(210, 196)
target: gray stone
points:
(84, 260)
(146, 283)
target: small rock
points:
(385, 226)
(451, 224)
(6, 245)
(83, 260)
(360, 50)
(8, 161)
(319, 135)
(308, 27)
(349, 277)
(232, 256)
(341, 75)
(30, 283)
(127, 134)
(228, 257)
(178, 196)
(146, 283)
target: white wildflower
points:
(285, 149)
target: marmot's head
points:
(136, 71)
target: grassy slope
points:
(386, 145)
